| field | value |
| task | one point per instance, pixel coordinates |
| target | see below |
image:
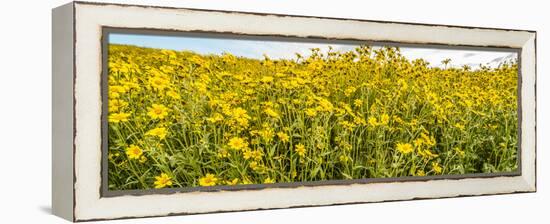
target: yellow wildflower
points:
(173, 94)
(118, 117)
(418, 142)
(271, 113)
(267, 79)
(143, 159)
(459, 151)
(241, 116)
(158, 111)
(254, 165)
(343, 158)
(159, 132)
(208, 180)
(216, 117)
(235, 181)
(266, 134)
(350, 90)
(404, 148)
(247, 154)
(384, 119)
(158, 82)
(437, 168)
(163, 180)
(222, 153)
(459, 126)
(283, 137)
(325, 105)
(373, 121)
(134, 152)
(237, 143)
(300, 149)
(116, 104)
(347, 125)
(427, 154)
(311, 112)
(240, 113)
(428, 140)
(116, 91)
(359, 121)
(256, 154)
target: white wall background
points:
(25, 112)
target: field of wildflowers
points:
(182, 119)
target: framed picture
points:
(167, 111)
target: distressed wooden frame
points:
(78, 39)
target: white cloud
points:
(472, 58)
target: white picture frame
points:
(77, 111)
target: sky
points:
(286, 50)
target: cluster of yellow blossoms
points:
(181, 119)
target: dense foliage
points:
(181, 119)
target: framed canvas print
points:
(168, 111)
